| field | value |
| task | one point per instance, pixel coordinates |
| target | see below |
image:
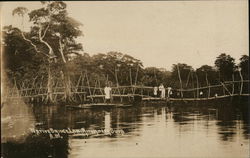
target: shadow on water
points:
(36, 147)
(17, 141)
(227, 120)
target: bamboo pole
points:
(15, 88)
(131, 80)
(241, 83)
(78, 81)
(233, 83)
(223, 89)
(34, 86)
(130, 76)
(194, 89)
(236, 81)
(193, 84)
(141, 91)
(95, 87)
(88, 85)
(208, 95)
(136, 74)
(197, 85)
(179, 75)
(209, 91)
(226, 88)
(117, 84)
(56, 89)
(107, 79)
(40, 88)
(99, 84)
(116, 77)
(188, 78)
(82, 83)
(155, 77)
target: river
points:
(149, 131)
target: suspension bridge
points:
(81, 93)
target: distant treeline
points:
(123, 69)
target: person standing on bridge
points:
(107, 92)
(162, 90)
(155, 91)
(169, 90)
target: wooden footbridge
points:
(85, 93)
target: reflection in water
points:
(107, 121)
(16, 119)
(150, 131)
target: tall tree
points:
(53, 33)
(20, 61)
(244, 65)
(225, 65)
(121, 68)
(153, 77)
(207, 74)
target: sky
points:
(159, 33)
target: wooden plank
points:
(226, 88)
(153, 99)
(115, 95)
(211, 98)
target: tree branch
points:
(45, 31)
(51, 52)
(34, 46)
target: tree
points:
(53, 34)
(121, 68)
(153, 76)
(181, 72)
(244, 65)
(225, 65)
(20, 61)
(207, 75)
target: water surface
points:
(150, 131)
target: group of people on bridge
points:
(157, 92)
(162, 91)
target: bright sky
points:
(159, 33)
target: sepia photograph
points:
(125, 79)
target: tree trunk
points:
(67, 84)
(241, 82)
(233, 84)
(49, 85)
(66, 76)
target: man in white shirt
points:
(155, 91)
(169, 89)
(162, 90)
(107, 91)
